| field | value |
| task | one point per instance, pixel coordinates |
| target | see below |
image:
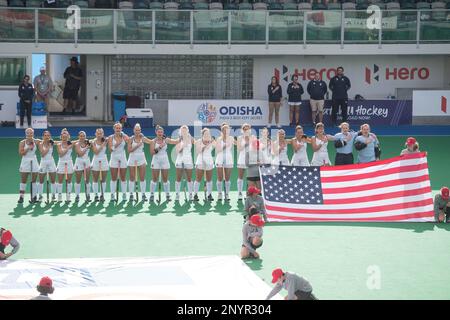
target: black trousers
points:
(336, 103)
(343, 158)
(25, 107)
(302, 295)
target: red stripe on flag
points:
(390, 195)
(374, 163)
(395, 218)
(372, 186)
(379, 173)
(389, 207)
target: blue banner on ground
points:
(373, 112)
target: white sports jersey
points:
(67, 156)
(30, 153)
(118, 151)
(162, 152)
(49, 155)
(86, 155)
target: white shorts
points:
(204, 165)
(298, 161)
(320, 159)
(62, 165)
(295, 104)
(184, 162)
(138, 160)
(114, 162)
(160, 163)
(81, 163)
(47, 166)
(25, 165)
(228, 163)
(96, 166)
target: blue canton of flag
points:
(296, 185)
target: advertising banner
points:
(8, 102)
(431, 103)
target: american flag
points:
(395, 189)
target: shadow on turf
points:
(418, 227)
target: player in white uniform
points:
(224, 160)
(300, 145)
(99, 164)
(29, 164)
(47, 165)
(118, 162)
(280, 148)
(265, 156)
(160, 163)
(204, 163)
(65, 165)
(82, 166)
(320, 147)
(183, 161)
(243, 147)
(137, 161)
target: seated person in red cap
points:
(412, 146)
(45, 287)
(442, 206)
(298, 288)
(254, 200)
(252, 232)
(7, 239)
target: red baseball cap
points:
(253, 189)
(256, 220)
(277, 274)
(411, 141)
(46, 282)
(445, 193)
(6, 237)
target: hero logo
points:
(390, 73)
(443, 104)
(304, 74)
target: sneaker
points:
(168, 197)
(190, 196)
(131, 197)
(20, 200)
(77, 198)
(68, 198)
(210, 198)
(53, 197)
(124, 197)
(113, 197)
(59, 197)
(219, 197)
(144, 197)
(279, 126)
(240, 196)
(40, 198)
(96, 199)
(88, 198)
(177, 197)
(196, 197)
(102, 198)
(152, 198)
(227, 197)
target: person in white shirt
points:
(29, 164)
(320, 147)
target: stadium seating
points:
(16, 3)
(201, 6)
(156, 5)
(33, 3)
(171, 5)
(3, 3)
(216, 6)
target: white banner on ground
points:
(8, 105)
(168, 278)
(214, 112)
(431, 103)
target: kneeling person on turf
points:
(298, 288)
(45, 287)
(7, 239)
(254, 200)
(252, 232)
(442, 206)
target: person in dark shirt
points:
(317, 89)
(26, 94)
(295, 91)
(339, 85)
(73, 76)
(275, 94)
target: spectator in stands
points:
(294, 91)
(442, 206)
(43, 86)
(365, 144)
(343, 141)
(45, 287)
(255, 201)
(7, 239)
(339, 85)
(73, 76)
(412, 146)
(317, 89)
(26, 94)
(298, 288)
(252, 232)
(275, 94)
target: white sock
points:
(104, 187)
(209, 187)
(227, 186)
(152, 187)
(177, 186)
(131, 186)
(95, 187)
(88, 188)
(240, 185)
(123, 186)
(59, 188)
(196, 186)
(113, 186)
(22, 188)
(34, 184)
(53, 188)
(77, 188)
(69, 187)
(167, 187)
(189, 187)
(143, 186)
(39, 188)
(219, 186)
